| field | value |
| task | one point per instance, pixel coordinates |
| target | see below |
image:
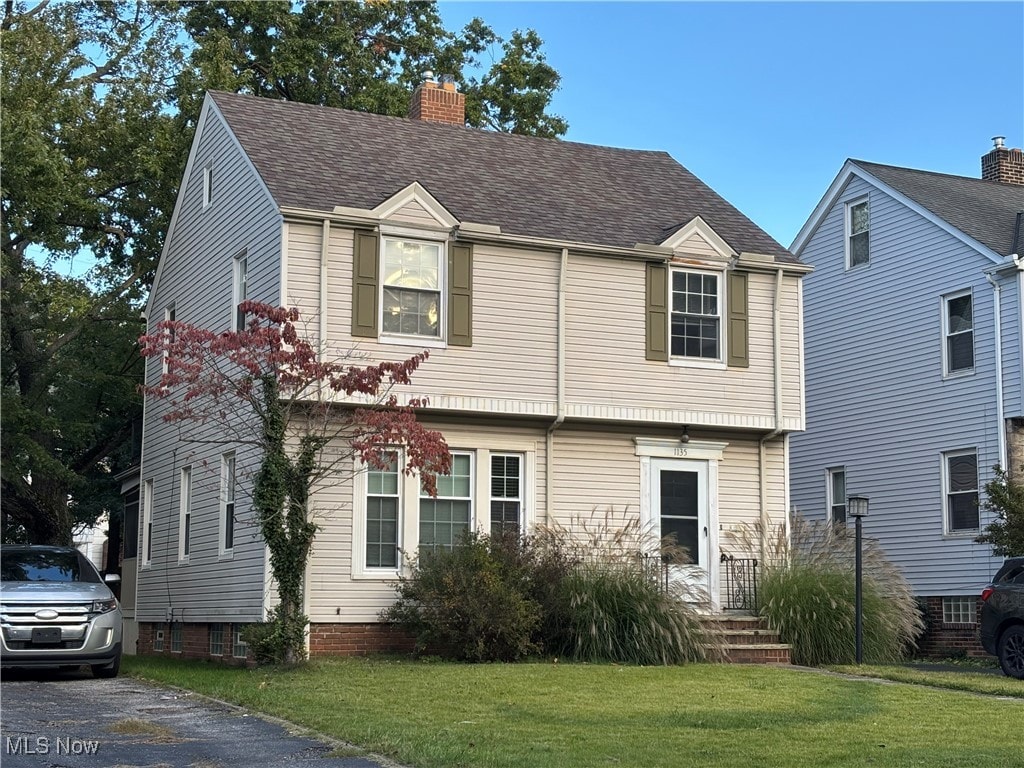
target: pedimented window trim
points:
(697, 226)
(415, 192)
(666, 448)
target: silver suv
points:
(55, 610)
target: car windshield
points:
(39, 565)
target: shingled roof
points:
(316, 158)
(983, 210)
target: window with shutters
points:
(411, 280)
(696, 315)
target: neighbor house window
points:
(158, 640)
(185, 514)
(958, 610)
(960, 491)
(506, 493)
(696, 315)
(837, 495)
(444, 518)
(216, 639)
(170, 334)
(382, 513)
(131, 524)
(239, 648)
(958, 328)
(240, 290)
(207, 185)
(412, 274)
(176, 638)
(147, 522)
(227, 501)
(858, 225)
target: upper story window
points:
(239, 290)
(858, 225)
(185, 514)
(227, 502)
(960, 491)
(696, 323)
(411, 281)
(207, 185)
(147, 522)
(958, 330)
(836, 491)
(170, 334)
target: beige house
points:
(606, 335)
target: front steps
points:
(747, 639)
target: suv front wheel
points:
(107, 670)
(1011, 651)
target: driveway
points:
(70, 720)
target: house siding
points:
(877, 400)
(196, 276)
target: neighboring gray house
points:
(605, 333)
(913, 348)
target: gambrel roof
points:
(980, 212)
(316, 158)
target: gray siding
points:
(196, 276)
(877, 400)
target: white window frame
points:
(519, 499)
(228, 501)
(722, 316)
(207, 185)
(959, 610)
(184, 514)
(390, 337)
(239, 288)
(472, 498)
(848, 232)
(169, 317)
(147, 523)
(158, 640)
(947, 371)
(239, 648)
(177, 637)
(946, 512)
(216, 631)
(831, 502)
(361, 539)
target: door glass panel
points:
(680, 510)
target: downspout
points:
(325, 241)
(997, 330)
(549, 482)
(765, 520)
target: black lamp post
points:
(857, 508)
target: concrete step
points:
(746, 639)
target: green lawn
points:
(568, 715)
(962, 680)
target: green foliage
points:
(472, 601)
(274, 641)
(595, 598)
(1005, 500)
(808, 591)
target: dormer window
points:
(411, 280)
(858, 224)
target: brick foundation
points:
(357, 639)
(195, 642)
(941, 640)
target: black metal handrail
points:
(739, 583)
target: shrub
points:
(808, 595)
(471, 601)
(273, 641)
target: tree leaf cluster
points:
(1005, 500)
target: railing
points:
(739, 583)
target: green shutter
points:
(657, 312)
(460, 295)
(739, 320)
(365, 271)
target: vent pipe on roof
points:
(998, 142)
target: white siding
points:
(877, 400)
(196, 276)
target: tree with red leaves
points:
(268, 387)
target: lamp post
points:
(857, 508)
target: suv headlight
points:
(104, 606)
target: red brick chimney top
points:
(438, 102)
(1003, 164)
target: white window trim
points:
(169, 317)
(184, 513)
(830, 501)
(237, 643)
(224, 551)
(239, 278)
(944, 306)
(484, 522)
(944, 458)
(719, 363)
(848, 232)
(207, 185)
(406, 484)
(953, 606)
(430, 342)
(146, 555)
(210, 637)
(474, 493)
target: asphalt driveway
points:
(70, 720)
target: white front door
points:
(680, 508)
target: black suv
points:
(1002, 617)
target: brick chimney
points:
(1002, 164)
(438, 102)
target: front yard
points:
(548, 715)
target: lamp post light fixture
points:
(857, 508)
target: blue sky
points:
(765, 101)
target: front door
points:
(679, 508)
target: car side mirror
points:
(112, 578)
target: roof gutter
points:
(549, 447)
